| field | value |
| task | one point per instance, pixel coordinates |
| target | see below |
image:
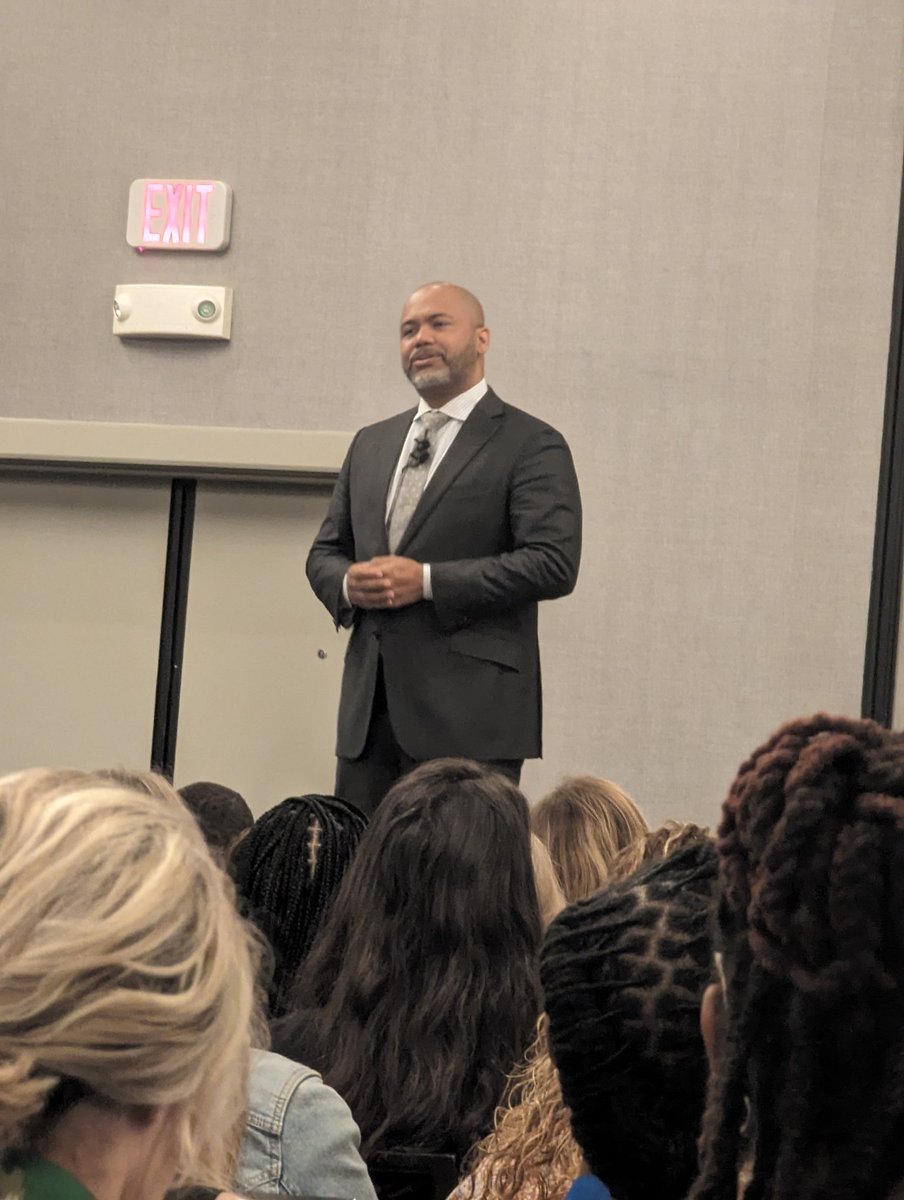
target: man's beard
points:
(447, 371)
(439, 376)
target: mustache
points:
(420, 355)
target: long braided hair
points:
(624, 973)
(531, 1151)
(287, 869)
(812, 935)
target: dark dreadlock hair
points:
(811, 925)
(287, 869)
(426, 972)
(624, 973)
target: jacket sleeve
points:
(320, 1150)
(333, 550)
(545, 521)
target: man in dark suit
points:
(448, 523)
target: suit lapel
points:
(484, 421)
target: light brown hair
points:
(584, 822)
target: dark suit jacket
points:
(500, 524)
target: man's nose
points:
(424, 334)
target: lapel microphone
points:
(420, 451)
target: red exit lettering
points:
(176, 213)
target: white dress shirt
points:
(458, 409)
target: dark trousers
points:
(365, 781)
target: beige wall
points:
(681, 217)
(80, 591)
(261, 677)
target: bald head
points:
(468, 299)
(443, 341)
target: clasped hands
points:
(388, 581)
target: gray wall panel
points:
(681, 218)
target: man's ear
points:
(483, 339)
(712, 1025)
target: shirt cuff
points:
(428, 587)
(345, 591)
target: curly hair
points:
(531, 1150)
(426, 971)
(287, 869)
(584, 822)
(811, 926)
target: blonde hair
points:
(584, 823)
(149, 782)
(549, 892)
(531, 1149)
(123, 965)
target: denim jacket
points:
(300, 1137)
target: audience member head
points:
(549, 893)
(287, 868)
(531, 1150)
(426, 969)
(127, 981)
(658, 843)
(806, 1092)
(624, 973)
(584, 822)
(223, 815)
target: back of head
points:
(222, 815)
(288, 868)
(427, 966)
(624, 973)
(584, 823)
(811, 928)
(149, 782)
(126, 975)
(656, 844)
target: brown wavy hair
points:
(426, 972)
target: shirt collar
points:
(459, 407)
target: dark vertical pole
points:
(172, 625)
(885, 592)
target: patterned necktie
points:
(413, 479)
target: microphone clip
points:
(420, 451)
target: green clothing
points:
(29, 1177)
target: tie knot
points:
(432, 421)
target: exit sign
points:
(179, 214)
